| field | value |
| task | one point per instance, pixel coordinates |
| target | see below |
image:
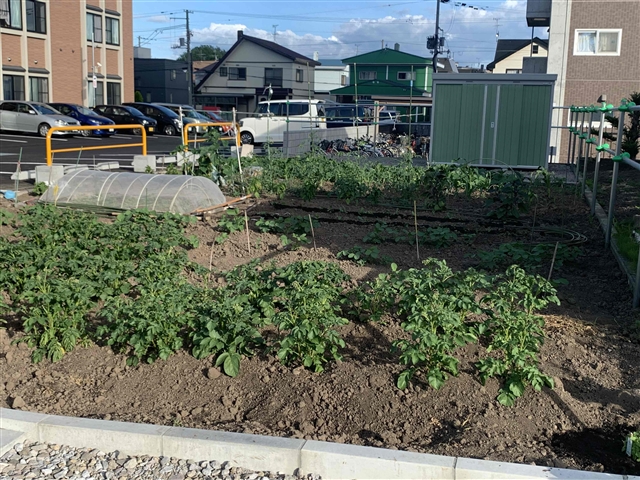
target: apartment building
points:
(78, 51)
(594, 49)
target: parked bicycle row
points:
(384, 145)
(167, 119)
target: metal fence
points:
(579, 150)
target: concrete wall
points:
(299, 142)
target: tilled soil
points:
(591, 351)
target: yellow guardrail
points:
(190, 126)
(75, 128)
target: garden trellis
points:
(90, 189)
(582, 142)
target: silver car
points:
(33, 117)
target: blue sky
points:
(335, 29)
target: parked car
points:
(272, 117)
(168, 121)
(33, 117)
(86, 117)
(189, 115)
(346, 116)
(216, 118)
(125, 115)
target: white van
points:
(270, 120)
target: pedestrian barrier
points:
(185, 132)
(51, 152)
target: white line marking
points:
(14, 141)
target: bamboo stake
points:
(535, 213)
(553, 261)
(18, 176)
(415, 221)
(312, 233)
(246, 224)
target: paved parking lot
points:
(31, 151)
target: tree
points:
(138, 97)
(204, 52)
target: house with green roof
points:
(387, 75)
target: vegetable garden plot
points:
(316, 346)
(125, 191)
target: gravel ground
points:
(42, 461)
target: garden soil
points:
(591, 351)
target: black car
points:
(168, 121)
(124, 115)
(345, 115)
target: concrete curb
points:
(257, 452)
(8, 438)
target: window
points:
(39, 89)
(94, 28)
(96, 96)
(112, 27)
(406, 76)
(36, 16)
(113, 93)
(11, 14)
(296, 109)
(13, 87)
(367, 75)
(597, 42)
(223, 71)
(236, 73)
(274, 108)
(148, 97)
(273, 77)
(513, 70)
(173, 74)
(536, 49)
(9, 107)
(299, 75)
(343, 79)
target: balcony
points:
(539, 13)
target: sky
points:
(335, 29)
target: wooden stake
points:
(213, 244)
(415, 222)
(553, 261)
(312, 233)
(246, 224)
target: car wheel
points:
(169, 130)
(246, 138)
(43, 129)
(86, 133)
(136, 131)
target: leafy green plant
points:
(361, 256)
(435, 303)
(515, 332)
(231, 221)
(39, 188)
(509, 196)
(226, 327)
(172, 169)
(529, 257)
(287, 225)
(439, 237)
(634, 451)
(309, 303)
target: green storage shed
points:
(501, 120)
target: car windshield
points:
(134, 111)
(202, 116)
(190, 112)
(44, 110)
(84, 110)
(167, 111)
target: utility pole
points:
(190, 64)
(437, 38)
(275, 32)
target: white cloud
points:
(470, 33)
(159, 19)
